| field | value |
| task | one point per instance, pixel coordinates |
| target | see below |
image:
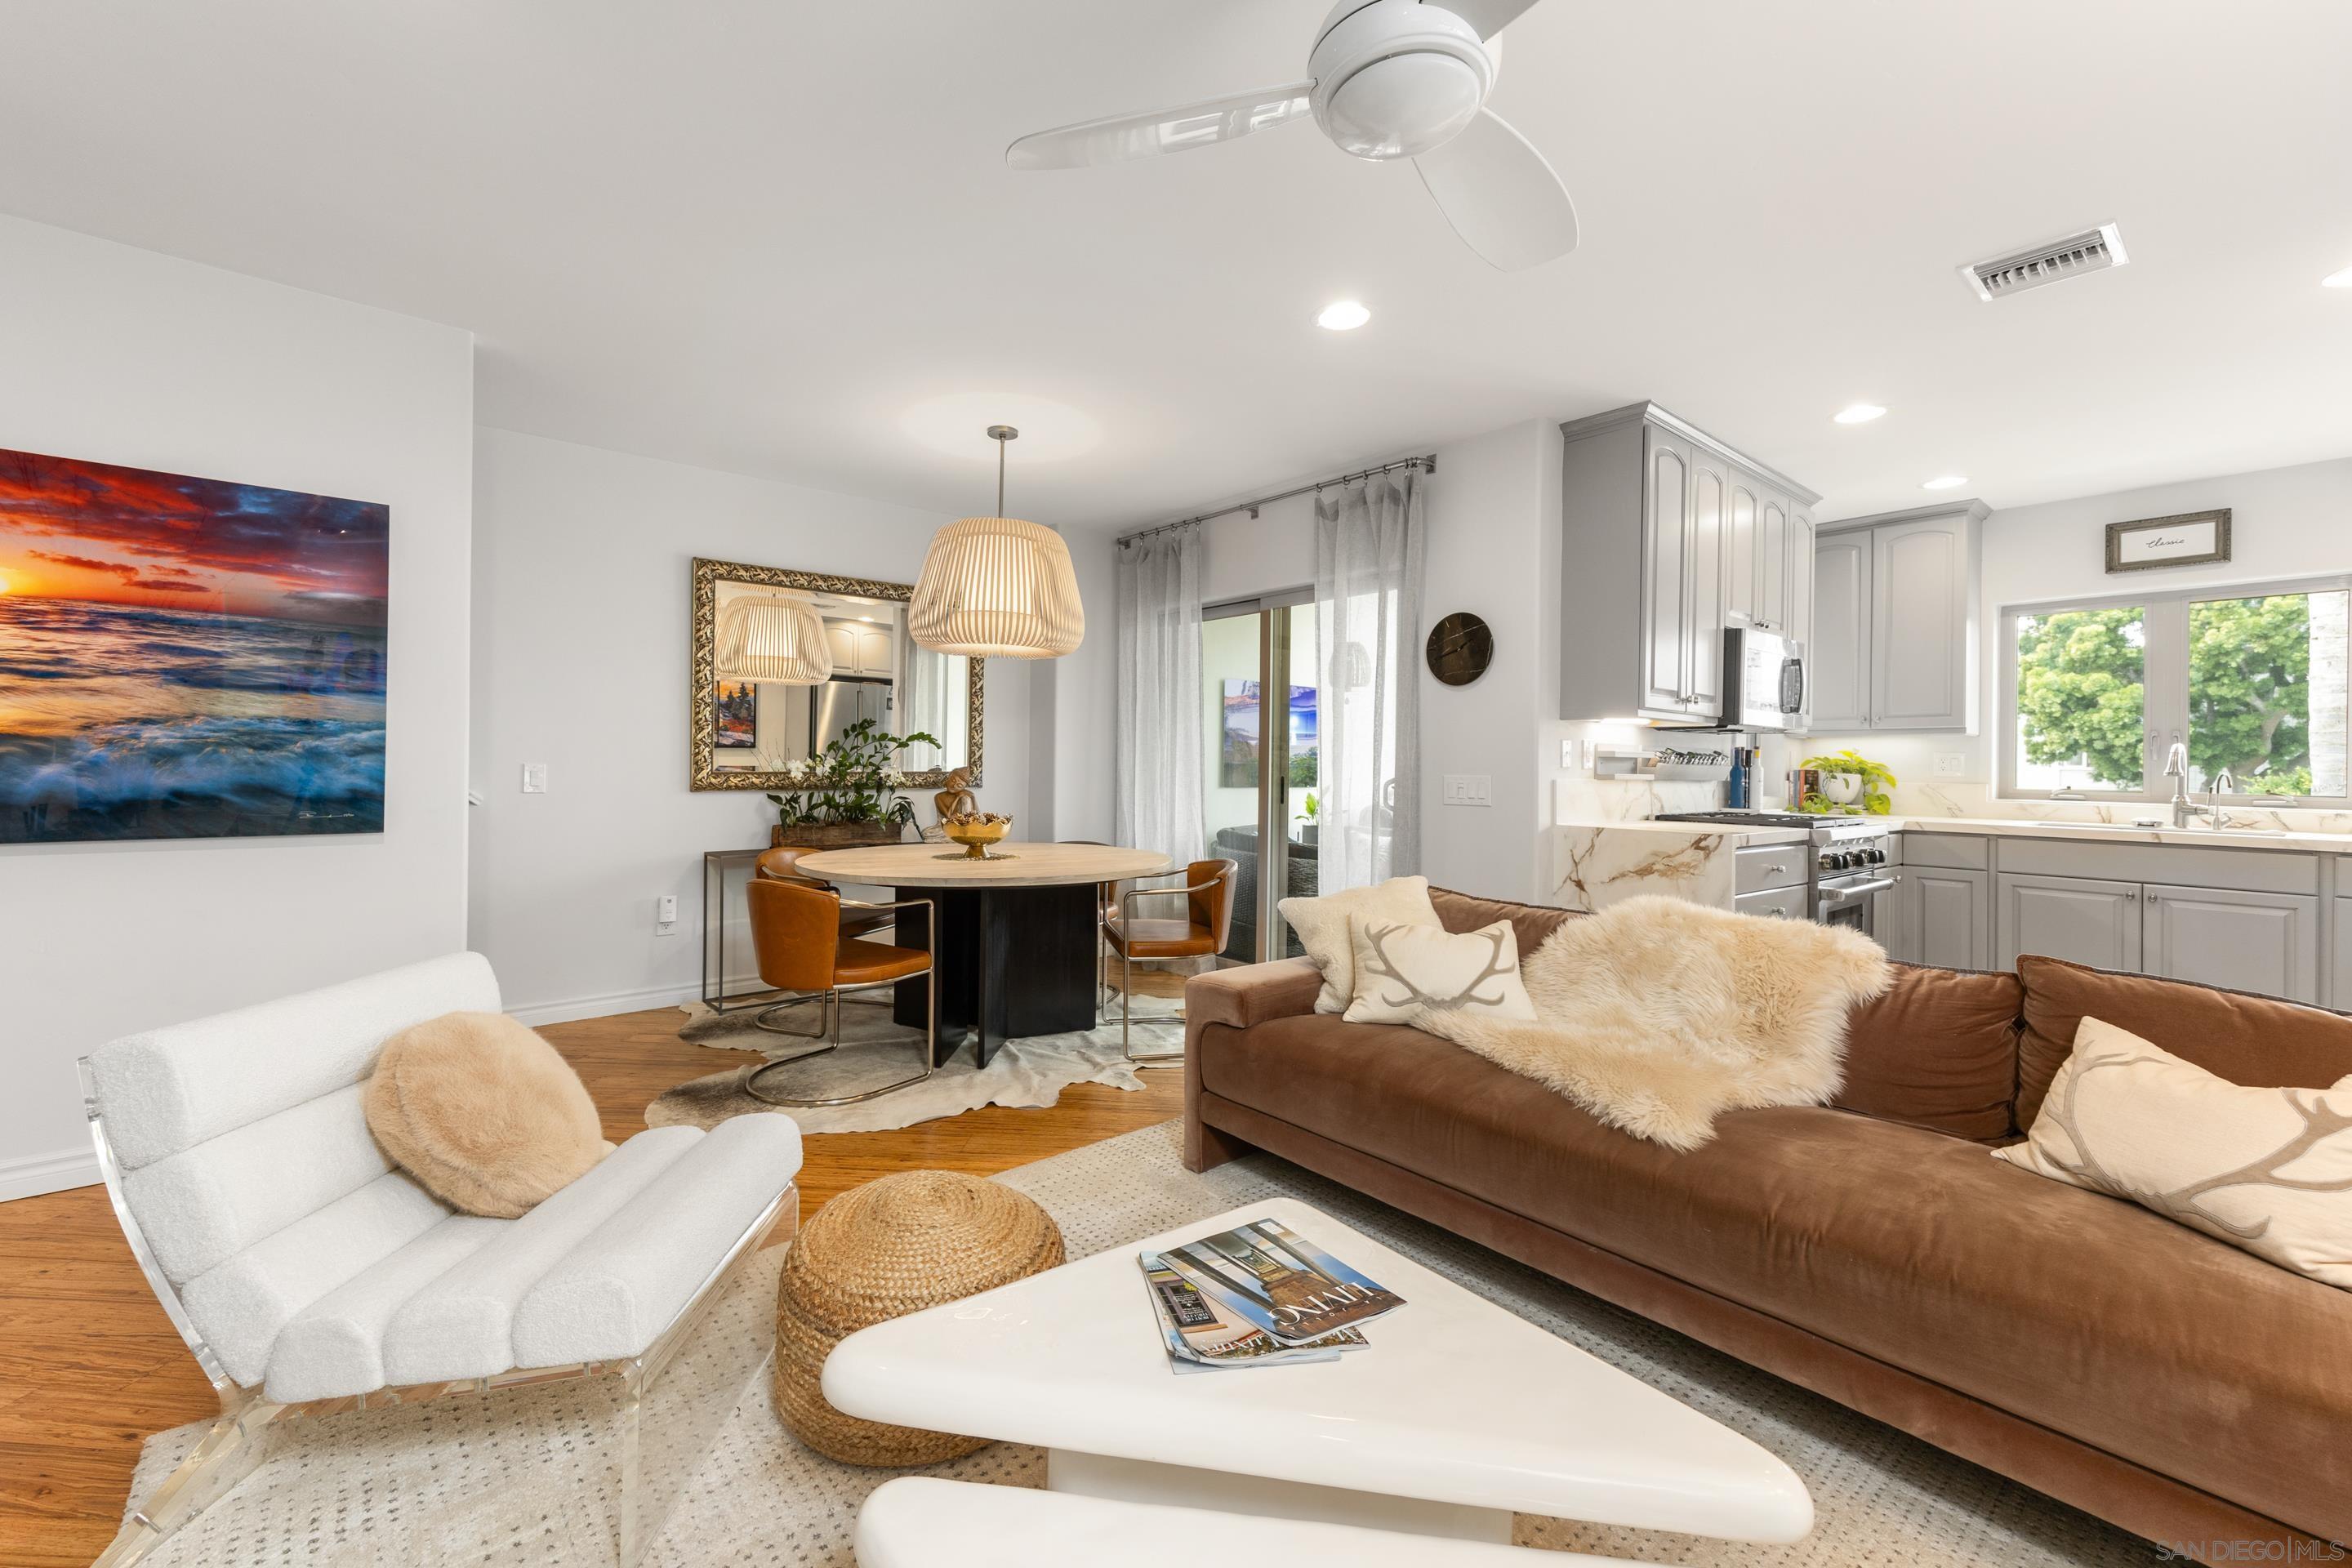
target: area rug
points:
(368, 1491)
(875, 1051)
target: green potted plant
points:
(1849, 778)
(848, 793)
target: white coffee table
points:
(1458, 1415)
(917, 1521)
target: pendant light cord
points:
(1001, 443)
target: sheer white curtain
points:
(934, 693)
(1368, 543)
(1159, 766)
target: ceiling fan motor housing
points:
(1395, 79)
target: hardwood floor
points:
(89, 1366)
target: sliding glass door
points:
(1258, 704)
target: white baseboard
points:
(30, 1175)
(579, 1007)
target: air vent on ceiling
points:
(2093, 250)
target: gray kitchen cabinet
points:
(2267, 942)
(2339, 995)
(1943, 917)
(1841, 647)
(1663, 548)
(1893, 612)
(1798, 570)
(2076, 918)
(858, 648)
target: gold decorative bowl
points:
(975, 838)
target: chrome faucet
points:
(2220, 783)
(2176, 768)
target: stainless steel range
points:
(1851, 859)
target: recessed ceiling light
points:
(2337, 279)
(1343, 316)
(1946, 483)
(1860, 413)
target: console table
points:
(1018, 943)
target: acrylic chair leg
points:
(225, 1456)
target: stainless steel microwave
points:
(1764, 678)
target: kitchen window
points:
(2252, 680)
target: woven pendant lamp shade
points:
(996, 587)
(890, 1247)
(766, 638)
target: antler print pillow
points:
(2269, 1169)
(1406, 971)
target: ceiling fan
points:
(1388, 79)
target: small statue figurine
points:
(957, 799)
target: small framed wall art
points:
(2190, 539)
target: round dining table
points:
(1017, 948)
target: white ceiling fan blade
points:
(1188, 125)
(1500, 195)
(1489, 17)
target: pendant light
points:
(996, 587)
(765, 638)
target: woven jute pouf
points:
(890, 1247)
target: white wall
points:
(583, 567)
(1073, 703)
(124, 356)
(2286, 522)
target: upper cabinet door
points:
(874, 651)
(1740, 562)
(1772, 563)
(1706, 585)
(841, 642)
(1665, 567)
(1920, 644)
(1840, 641)
(1797, 571)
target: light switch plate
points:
(1469, 789)
(534, 778)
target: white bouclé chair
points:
(309, 1276)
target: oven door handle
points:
(1837, 897)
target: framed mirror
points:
(744, 733)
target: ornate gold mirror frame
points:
(703, 771)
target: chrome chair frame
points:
(750, 1082)
(1128, 1018)
(661, 1441)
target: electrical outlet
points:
(534, 778)
(1469, 789)
(666, 914)
(1950, 765)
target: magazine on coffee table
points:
(1201, 1338)
(1264, 1276)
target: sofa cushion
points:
(1530, 923)
(2256, 1041)
(1937, 1050)
(2091, 1317)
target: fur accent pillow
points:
(2269, 1169)
(483, 1112)
(1322, 927)
(1406, 972)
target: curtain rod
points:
(1428, 463)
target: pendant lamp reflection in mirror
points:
(762, 636)
(996, 587)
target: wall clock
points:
(1461, 647)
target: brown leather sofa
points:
(1871, 1250)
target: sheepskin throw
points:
(1657, 1016)
(483, 1113)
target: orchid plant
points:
(852, 780)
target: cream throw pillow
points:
(1322, 928)
(1404, 972)
(2269, 1169)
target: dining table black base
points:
(1012, 962)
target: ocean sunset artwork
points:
(186, 657)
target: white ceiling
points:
(758, 236)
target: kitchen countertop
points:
(2101, 833)
(1691, 830)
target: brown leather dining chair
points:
(781, 864)
(1200, 932)
(798, 939)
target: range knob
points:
(1833, 861)
(1875, 857)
